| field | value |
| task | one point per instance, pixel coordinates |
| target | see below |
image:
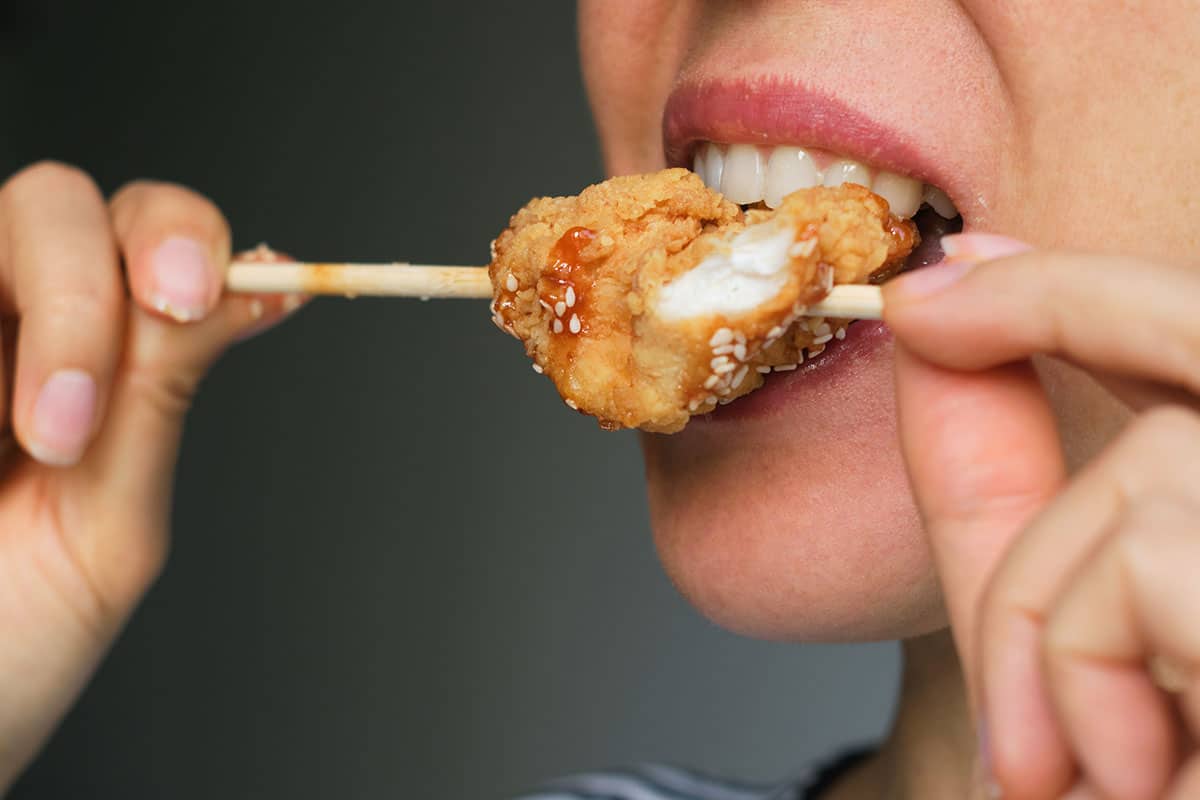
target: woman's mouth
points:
(756, 175)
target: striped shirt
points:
(660, 782)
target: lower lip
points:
(816, 377)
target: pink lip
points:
(774, 111)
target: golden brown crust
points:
(577, 280)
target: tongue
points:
(933, 227)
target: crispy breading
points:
(580, 279)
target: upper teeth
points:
(746, 174)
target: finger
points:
(1135, 599)
(60, 273)
(129, 468)
(176, 246)
(983, 457)
(1156, 456)
(1115, 314)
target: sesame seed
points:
(840, 333)
(804, 326)
(769, 343)
(694, 404)
(741, 376)
(725, 368)
(560, 308)
(575, 325)
(802, 248)
(823, 329)
(510, 283)
(722, 336)
(718, 361)
(711, 400)
(571, 404)
(712, 381)
(545, 305)
(775, 332)
(537, 368)
(723, 350)
(762, 370)
(786, 367)
(823, 339)
(570, 297)
(739, 337)
(558, 326)
(739, 352)
(816, 350)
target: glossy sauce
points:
(566, 281)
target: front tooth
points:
(847, 171)
(698, 166)
(744, 174)
(714, 166)
(902, 193)
(788, 169)
(940, 203)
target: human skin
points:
(925, 487)
(1044, 122)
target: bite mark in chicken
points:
(650, 298)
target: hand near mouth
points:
(1067, 593)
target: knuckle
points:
(166, 392)
(84, 307)
(146, 204)
(50, 176)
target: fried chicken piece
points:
(650, 298)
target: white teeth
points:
(847, 171)
(742, 181)
(747, 174)
(788, 169)
(902, 193)
(714, 166)
(940, 203)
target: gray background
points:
(402, 568)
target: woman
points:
(1027, 527)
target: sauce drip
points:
(564, 285)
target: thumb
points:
(983, 456)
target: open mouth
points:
(758, 176)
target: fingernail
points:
(183, 279)
(980, 247)
(927, 281)
(62, 417)
(964, 252)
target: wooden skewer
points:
(410, 280)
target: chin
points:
(787, 515)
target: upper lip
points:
(772, 110)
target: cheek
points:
(765, 543)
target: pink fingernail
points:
(930, 280)
(183, 279)
(964, 252)
(979, 247)
(62, 417)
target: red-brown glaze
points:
(568, 270)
